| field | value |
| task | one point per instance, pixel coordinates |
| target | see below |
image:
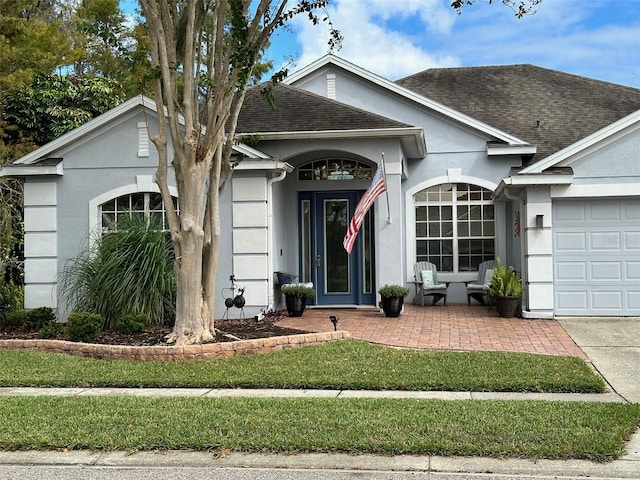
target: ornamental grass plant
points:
(125, 272)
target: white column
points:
(538, 253)
(250, 241)
(40, 244)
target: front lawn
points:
(347, 364)
(522, 429)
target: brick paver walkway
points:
(453, 327)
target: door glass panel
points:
(305, 211)
(368, 253)
(336, 258)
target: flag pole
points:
(386, 191)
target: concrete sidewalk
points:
(291, 393)
(627, 467)
(612, 345)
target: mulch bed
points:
(226, 331)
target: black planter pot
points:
(392, 306)
(295, 305)
(507, 306)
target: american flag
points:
(374, 191)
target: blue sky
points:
(395, 38)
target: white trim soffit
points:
(395, 88)
(563, 179)
(412, 137)
(586, 145)
(541, 179)
(494, 149)
(246, 150)
(44, 168)
(264, 165)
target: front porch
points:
(452, 327)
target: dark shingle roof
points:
(298, 110)
(544, 107)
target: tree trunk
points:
(192, 312)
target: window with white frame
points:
(143, 204)
(335, 169)
(455, 226)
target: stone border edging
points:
(172, 352)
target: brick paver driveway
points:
(453, 327)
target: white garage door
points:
(597, 257)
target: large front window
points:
(455, 226)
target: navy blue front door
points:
(339, 278)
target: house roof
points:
(544, 107)
(333, 61)
(298, 110)
(299, 114)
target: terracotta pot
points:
(392, 306)
(507, 306)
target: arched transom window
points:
(455, 226)
(335, 169)
(143, 204)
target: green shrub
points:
(130, 270)
(39, 317)
(131, 323)
(83, 326)
(11, 299)
(393, 291)
(298, 290)
(52, 330)
(15, 318)
(505, 281)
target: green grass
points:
(348, 364)
(528, 429)
(531, 429)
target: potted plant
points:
(296, 295)
(392, 299)
(505, 289)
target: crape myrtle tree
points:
(203, 53)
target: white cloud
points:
(372, 39)
(395, 38)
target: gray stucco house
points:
(534, 166)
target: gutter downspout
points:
(270, 255)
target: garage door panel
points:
(631, 211)
(633, 300)
(603, 300)
(606, 271)
(610, 241)
(603, 211)
(572, 301)
(571, 271)
(597, 257)
(570, 213)
(633, 271)
(575, 242)
(632, 241)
